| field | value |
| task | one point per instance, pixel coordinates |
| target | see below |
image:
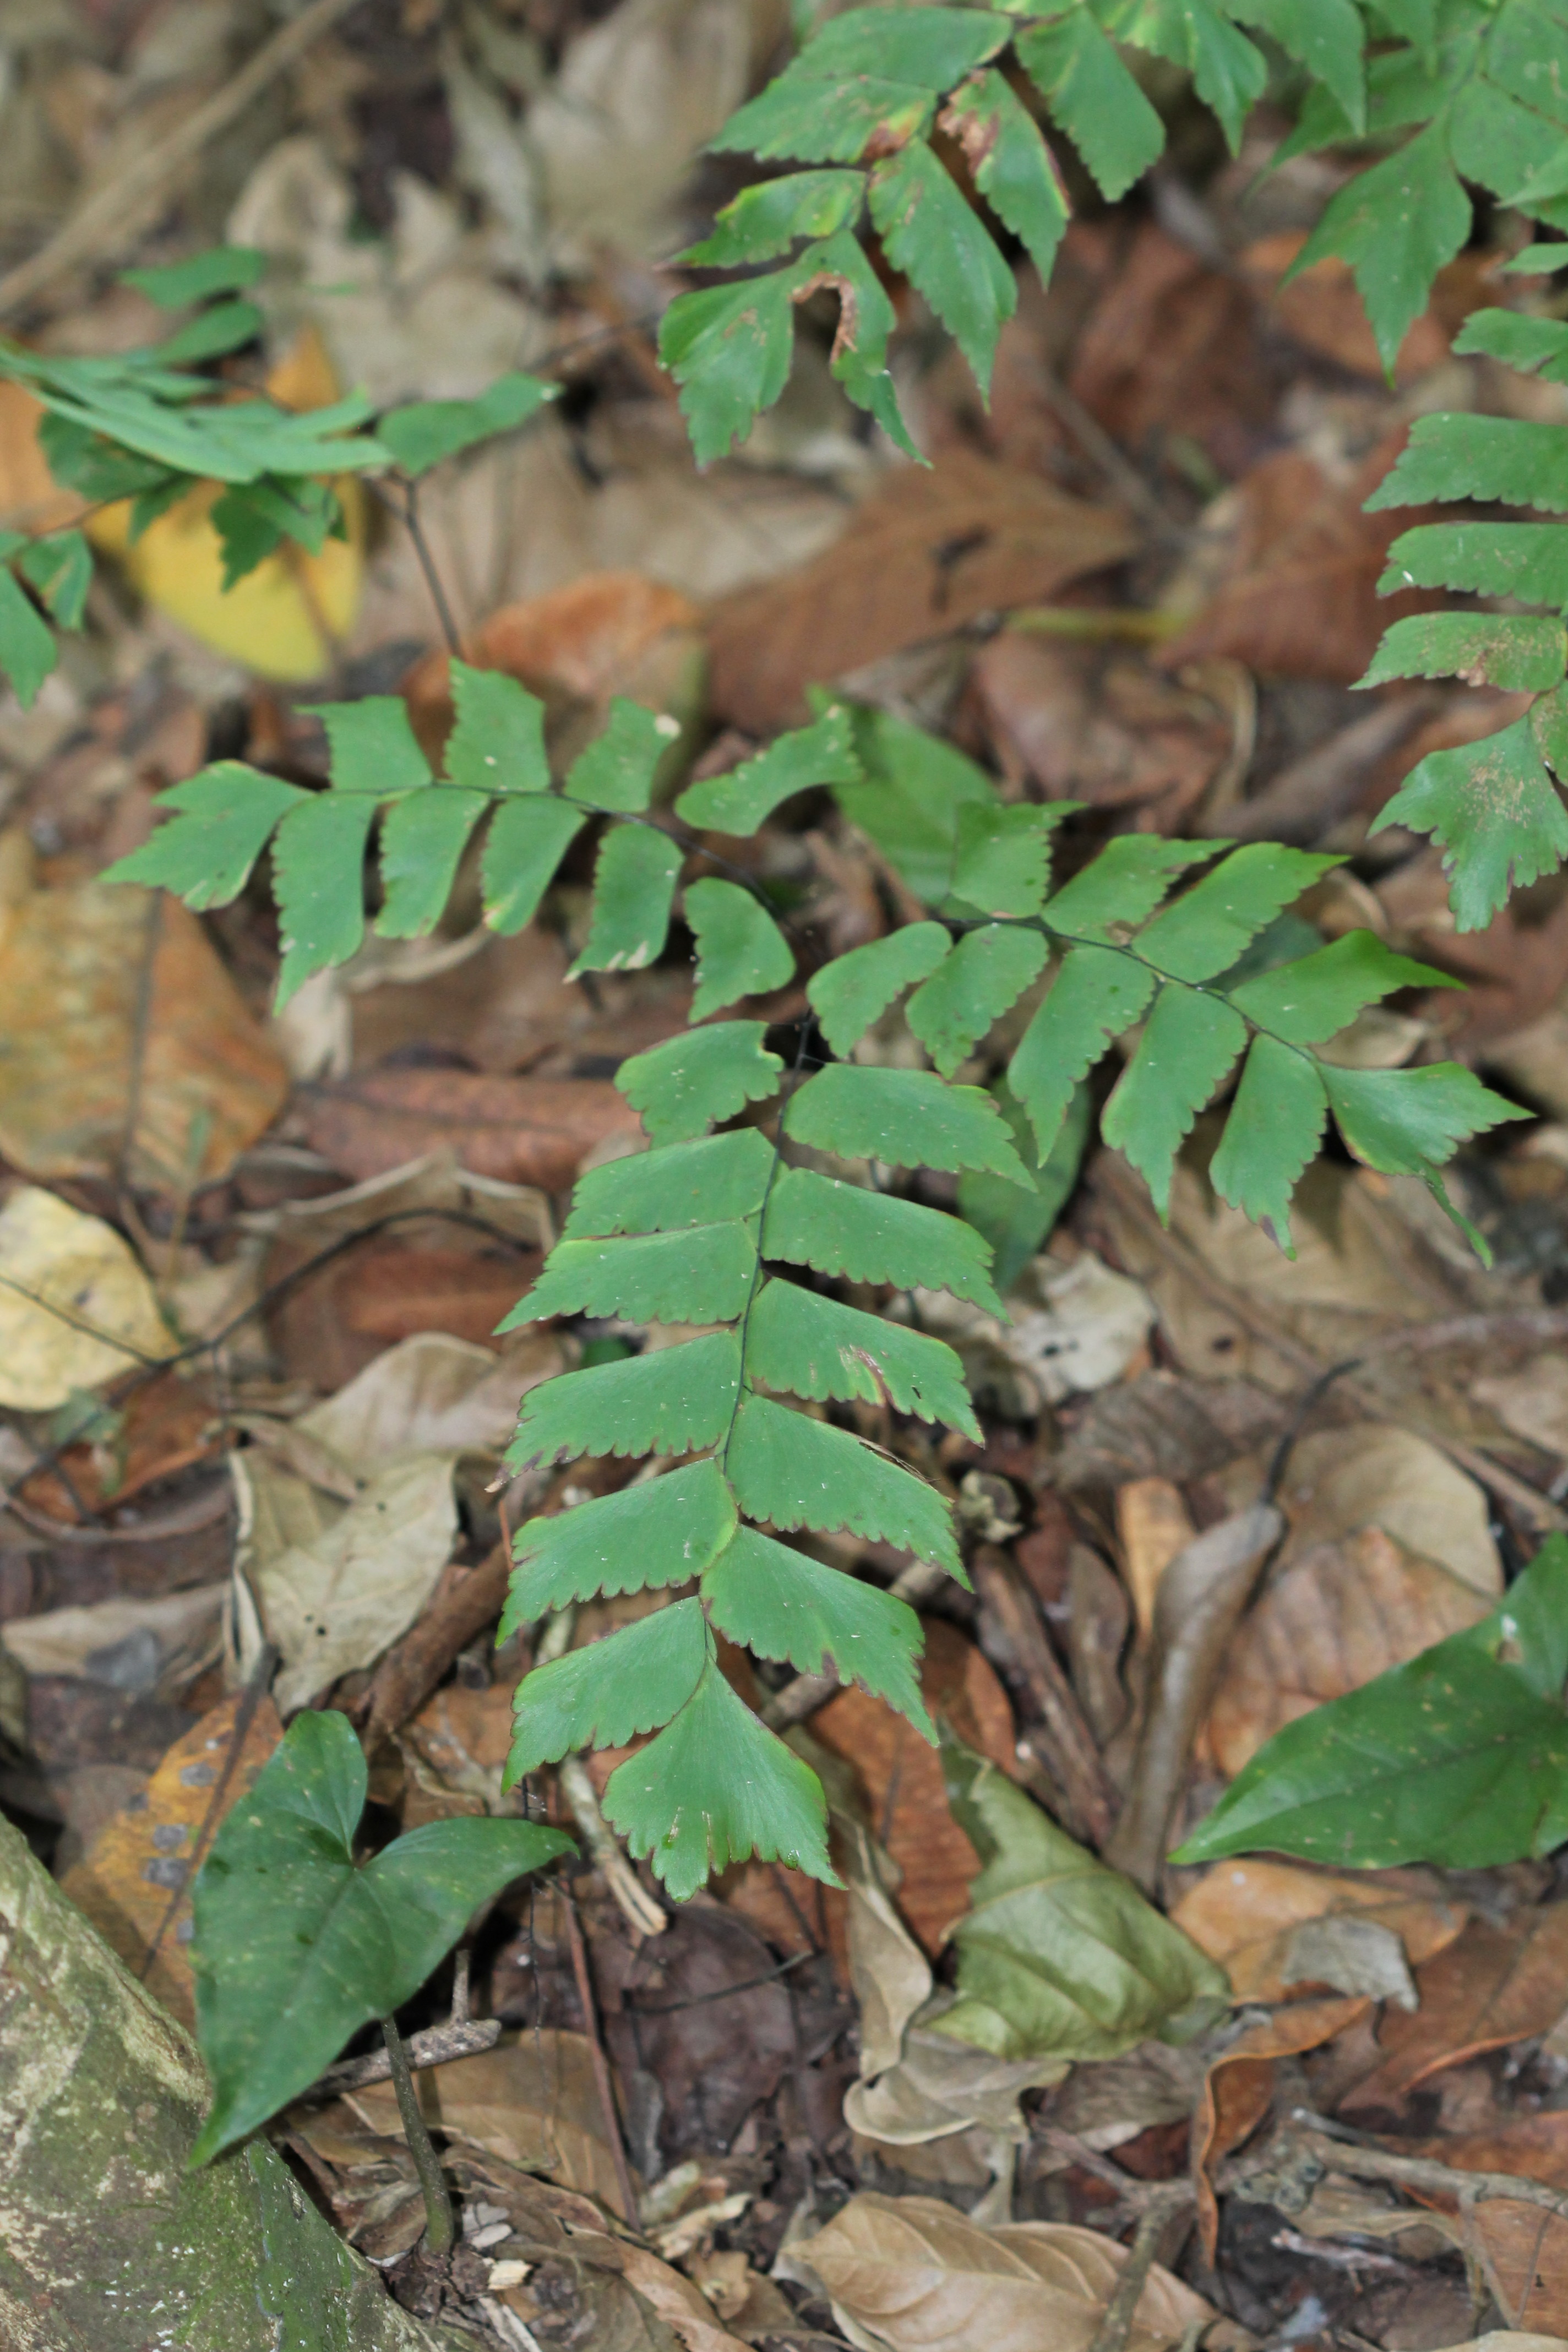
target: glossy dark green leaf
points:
(1458, 1758)
(295, 1947)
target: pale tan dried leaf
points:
(925, 2278)
(1246, 1915)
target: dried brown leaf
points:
(523, 1130)
(1245, 1913)
(1494, 1986)
(928, 550)
(925, 2278)
(1239, 2088)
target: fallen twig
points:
(1323, 2139)
(434, 2047)
(1167, 2198)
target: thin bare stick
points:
(113, 209)
(601, 2063)
(1321, 2140)
(435, 2047)
(1116, 2326)
(628, 1889)
(428, 565)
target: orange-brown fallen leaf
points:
(520, 1131)
(134, 1868)
(1494, 1986)
(71, 960)
(1244, 1914)
(1300, 599)
(1152, 1524)
(928, 550)
(169, 1423)
(1239, 2088)
(609, 633)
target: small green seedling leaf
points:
(697, 1274)
(816, 1348)
(982, 978)
(720, 1177)
(1189, 1045)
(221, 269)
(634, 886)
(618, 769)
(1096, 994)
(497, 742)
(660, 1533)
(793, 1472)
(740, 950)
(1493, 810)
(297, 1946)
(782, 1604)
(529, 836)
(744, 797)
(841, 1229)
(852, 992)
(667, 1401)
(222, 821)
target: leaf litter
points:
(929, 2108)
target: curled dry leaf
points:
(167, 1423)
(1101, 727)
(1152, 1524)
(133, 1869)
(928, 550)
(337, 1581)
(75, 1307)
(1339, 1617)
(1494, 1986)
(532, 1132)
(901, 1778)
(1200, 1600)
(925, 2278)
(1247, 1915)
(1527, 2248)
(1239, 2088)
(611, 633)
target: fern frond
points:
(807, 1346)
(606, 1695)
(662, 1532)
(692, 1081)
(839, 1228)
(666, 1401)
(781, 1603)
(982, 978)
(790, 1471)
(906, 1119)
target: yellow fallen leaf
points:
(282, 619)
(75, 1307)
